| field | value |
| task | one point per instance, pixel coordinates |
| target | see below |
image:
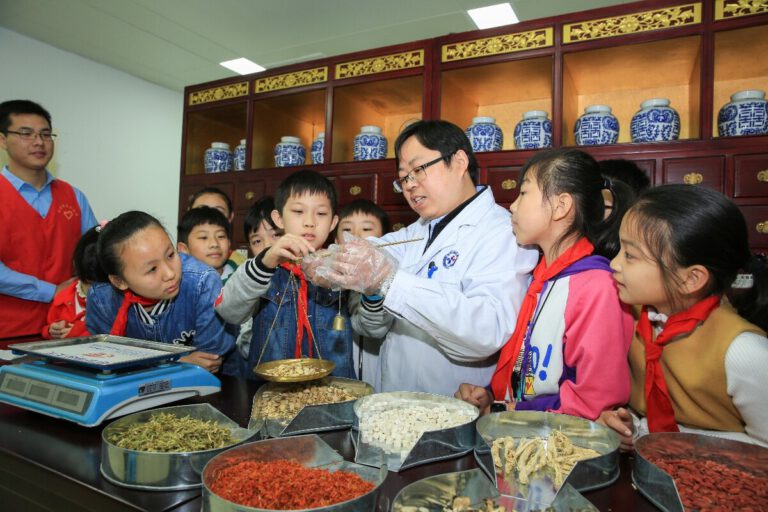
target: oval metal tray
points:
(586, 475)
(660, 488)
(323, 368)
(157, 471)
(309, 450)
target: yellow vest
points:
(694, 369)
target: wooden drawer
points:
(751, 175)
(349, 188)
(647, 166)
(705, 171)
(249, 191)
(386, 195)
(505, 183)
(399, 219)
(757, 225)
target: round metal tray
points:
(159, 471)
(309, 450)
(323, 367)
(586, 475)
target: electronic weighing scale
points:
(88, 380)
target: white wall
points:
(119, 136)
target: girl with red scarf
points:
(696, 364)
(568, 353)
(66, 317)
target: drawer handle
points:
(355, 190)
(763, 176)
(693, 178)
(762, 227)
(249, 195)
(508, 184)
(398, 226)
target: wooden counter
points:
(47, 464)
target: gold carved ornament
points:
(382, 64)
(693, 178)
(657, 19)
(507, 43)
(762, 176)
(727, 9)
(355, 190)
(225, 92)
(288, 80)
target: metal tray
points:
(586, 475)
(310, 451)
(156, 471)
(432, 446)
(659, 487)
(434, 493)
(323, 367)
(134, 352)
(312, 418)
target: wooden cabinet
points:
(694, 53)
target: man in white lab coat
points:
(449, 301)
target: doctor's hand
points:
(210, 362)
(358, 265)
(475, 395)
(620, 420)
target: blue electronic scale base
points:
(84, 389)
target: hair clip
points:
(607, 184)
(101, 225)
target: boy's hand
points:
(287, 248)
(211, 362)
(620, 420)
(475, 395)
(59, 329)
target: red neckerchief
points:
(121, 320)
(502, 377)
(302, 318)
(658, 405)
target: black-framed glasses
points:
(31, 134)
(416, 174)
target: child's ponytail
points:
(604, 234)
(85, 259)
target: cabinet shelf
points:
(504, 90)
(733, 50)
(622, 77)
(388, 104)
(226, 123)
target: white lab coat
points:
(447, 329)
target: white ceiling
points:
(175, 43)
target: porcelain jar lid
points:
(752, 94)
(597, 108)
(321, 135)
(655, 102)
(535, 113)
(290, 139)
(219, 145)
(242, 142)
(482, 119)
(369, 128)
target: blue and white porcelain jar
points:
(289, 152)
(746, 114)
(655, 121)
(534, 131)
(369, 144)
(596, 126)
(239, 157)
(217, 158)
(318, 146)
(485, 135)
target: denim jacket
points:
(188, 319)
(257, 291)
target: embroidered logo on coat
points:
(449, 259)
(186, 338)
(67, 210)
